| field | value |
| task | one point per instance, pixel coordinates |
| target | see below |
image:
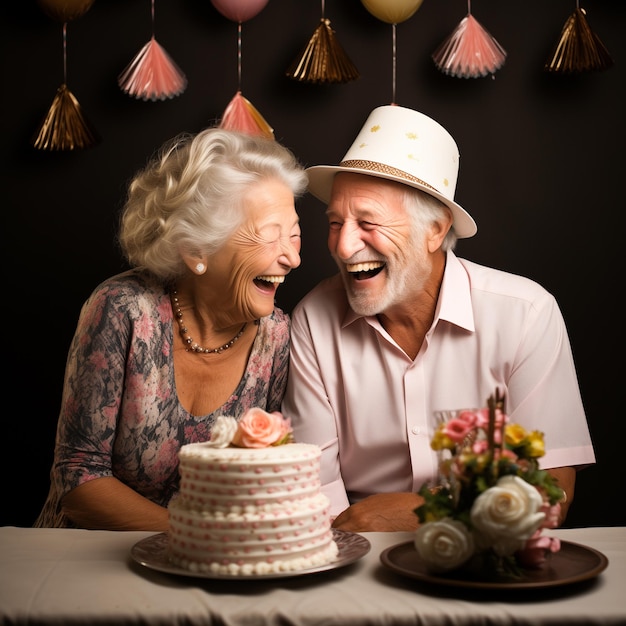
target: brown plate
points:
(151, 552)
(571, 564)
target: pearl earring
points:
(200, 268)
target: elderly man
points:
(407, 328)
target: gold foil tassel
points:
(323, 60)
(579, 49)
(65, 127)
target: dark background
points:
(542, 171)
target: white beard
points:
(410, 277)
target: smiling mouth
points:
(269, 281)
(362, 271)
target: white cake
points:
(250, 511)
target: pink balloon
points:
(239, 10)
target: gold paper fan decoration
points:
(579, 49)
(323, 60)
(65, 127)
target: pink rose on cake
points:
(260, 429)
(256, 429)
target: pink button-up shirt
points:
(353, 391)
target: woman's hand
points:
(108, 504)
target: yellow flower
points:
(441, 441)
(535, 447)
(514, 434)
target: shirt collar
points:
(455, 303)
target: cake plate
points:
(152, 553)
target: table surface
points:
(62, 576)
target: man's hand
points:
(381, 512)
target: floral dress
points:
(120, 414)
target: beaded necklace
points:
(192, 346)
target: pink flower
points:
(504, 453)
(482, 419)
(457, 429)
(260, 429)
(534, 554)
(468, 416)
(553, 514)
(480, 447)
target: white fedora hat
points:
(408, 147)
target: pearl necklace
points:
(192, 346)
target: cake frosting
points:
(247, 511)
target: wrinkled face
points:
(380, 254)
(263, 250)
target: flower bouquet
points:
(492, 502)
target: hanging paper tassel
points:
(152, 74)
(323, 60)
(65, 127)
(241, 115)
(469, 52)
(579, 49)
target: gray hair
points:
(189, 197)
(425, 209)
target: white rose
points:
(507, 515)
(222, 432)
(444, 545)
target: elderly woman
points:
(190, 333)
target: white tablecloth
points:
(55, 576)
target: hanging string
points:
(393, 63)
(239, 55)
(65, 53)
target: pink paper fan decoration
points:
(241, 115)
(152, 74)
(469, 52)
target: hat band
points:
(373, 166)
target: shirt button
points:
(416, 430)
